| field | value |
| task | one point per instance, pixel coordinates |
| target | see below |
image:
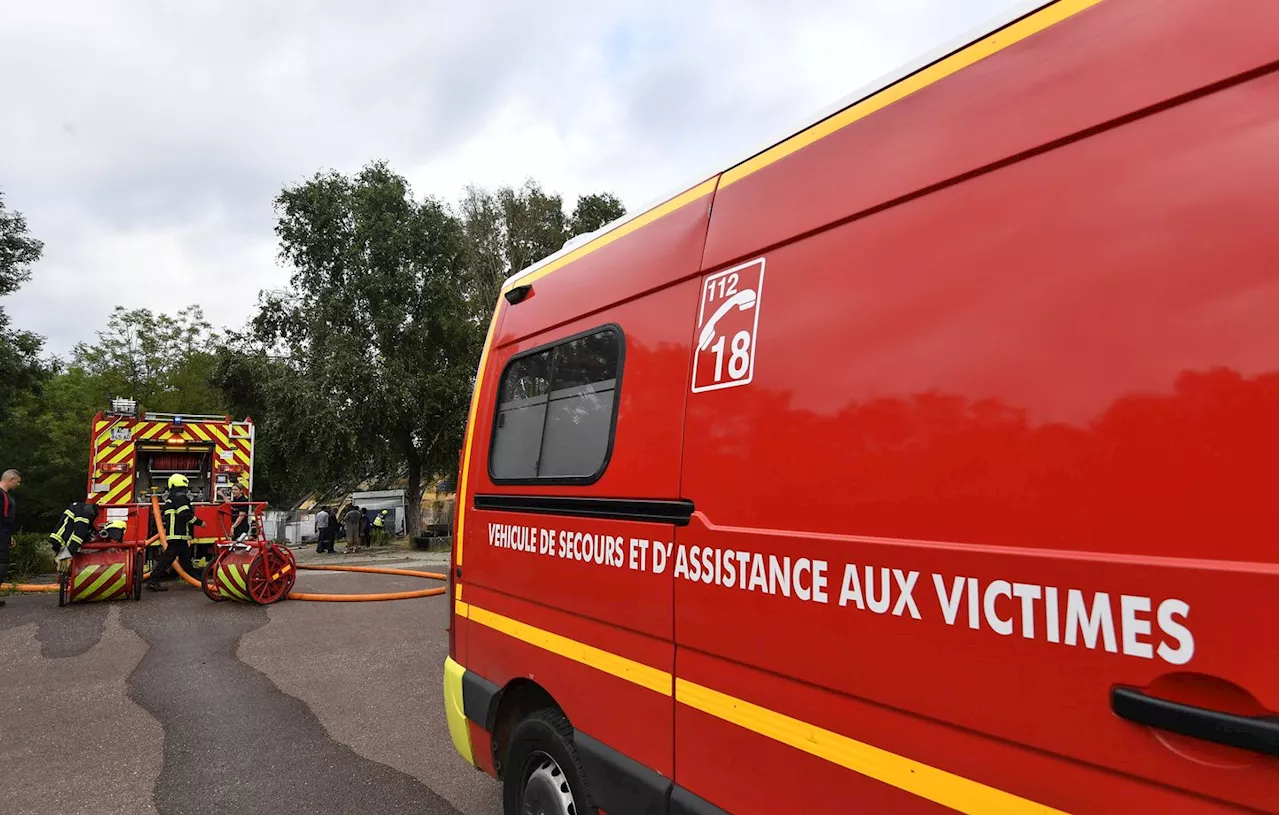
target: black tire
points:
(541, 735)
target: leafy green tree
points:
(162, 361)
(21, 369)
(271, 390)
(509, 229)
(594, 211)
(50, 443)
(378, 342)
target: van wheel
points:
(543, 775)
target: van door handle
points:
(1256, 733)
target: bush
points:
(31, 555)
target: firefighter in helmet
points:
(380, 528)
(179, 517)
(75, 527)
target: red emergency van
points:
(923, 461)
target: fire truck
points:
(133, 452)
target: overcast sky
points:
(145, 140)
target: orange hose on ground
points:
(368, 598)
(376, 570)
(28, 587)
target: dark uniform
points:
(8, 522)
(74, 528)
(241, 513)
(179, 517)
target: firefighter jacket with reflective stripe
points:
(74, 529)
(378, 523)
(179, 517)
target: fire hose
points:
(325, 598)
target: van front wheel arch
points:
(543, 773)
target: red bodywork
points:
(1018, 326)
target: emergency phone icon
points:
(728, 316)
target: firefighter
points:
(179, 517)
(380, 528)
(75, 528)
(114, 531)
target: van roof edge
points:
(1010, 15)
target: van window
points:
(556, 411)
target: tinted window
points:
(556, 410)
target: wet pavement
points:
(178, 705)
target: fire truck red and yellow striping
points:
(116, 441)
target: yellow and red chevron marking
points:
(98, 582)
(233, 580)
(116, 488)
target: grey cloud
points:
(145, 140)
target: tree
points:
(510, 229)
(162, 361)
(47, 436)
(594, 211)
(271, 390)
(374, 330)
(21, 369)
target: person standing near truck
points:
(10, 480)
(324, 531)
(240, 513)
(380, 528)
(352, 523)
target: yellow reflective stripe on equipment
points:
(228, 584)
(107, 593)
(238, 577)
(107, 573)
(83, 575)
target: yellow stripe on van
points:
(939, 786)
(621, 231)
(460, 504)
(974, 52)
(930, 783)
(637, 672)
(991, 44)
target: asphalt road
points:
(176, 705)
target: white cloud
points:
(145, 141)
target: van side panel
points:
(1060, 374)
(610, 654)
(1101, 63)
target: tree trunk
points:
(413, 499)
